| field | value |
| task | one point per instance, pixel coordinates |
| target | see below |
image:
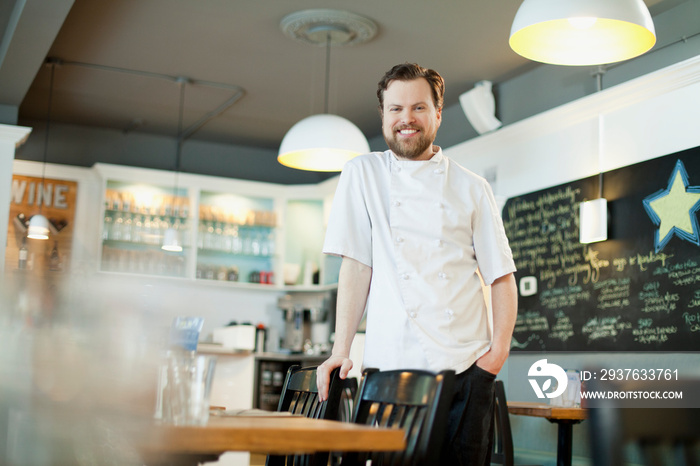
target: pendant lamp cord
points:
(328, 71)
(598, 74)
(52, 66)
(178, 153)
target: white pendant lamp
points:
(170, 241)
(38, 227)
(324, 142)
(593, 221)
(582, 32)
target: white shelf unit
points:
(222, 205)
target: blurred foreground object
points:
(77, 372)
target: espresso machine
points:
(307, 322)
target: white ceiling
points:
(238, 43)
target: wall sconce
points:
(479, 106)
(593, 221)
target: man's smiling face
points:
(410, 119)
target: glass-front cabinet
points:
(236, 238)
(136, 218)
(232, 232)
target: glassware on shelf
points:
(140, 218)
(137, 235)
(209, 236)
(107, 227)
(256, 242)
(117, 228)
(150, 262)
(218, 237)
(127, 228)
(236, 242)
(247, 241)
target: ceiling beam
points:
(29, 28)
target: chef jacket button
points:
(398, 169)
(395, 203)
(438, 171)
(405, 276)
(449, 312)
(438, 205)
(442, 275)
(412, 314)
(399, 239)
(438, 243)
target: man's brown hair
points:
(409, 72)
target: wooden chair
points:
(300, 396)
(663, 435)
(417, 401)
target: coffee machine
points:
(307, 322)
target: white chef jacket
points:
(424, 227)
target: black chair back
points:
(502, 438)
(300, 396)
(503, 452)
(417, 401)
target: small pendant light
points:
(38, 227)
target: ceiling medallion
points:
(317, 26)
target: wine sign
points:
(55, 200)
(637, 291)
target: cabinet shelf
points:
(140, 246)
(217, 252)
(262, 287)
(147, 214)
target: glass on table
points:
(184, 389)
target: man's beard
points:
(410, 148)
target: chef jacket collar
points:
(436, 158)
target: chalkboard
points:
(637, 291)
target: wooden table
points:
(564, 417)
(168, 444)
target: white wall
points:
(11, 137)
(647, 117)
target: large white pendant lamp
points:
(582, 32)
(324, 142)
